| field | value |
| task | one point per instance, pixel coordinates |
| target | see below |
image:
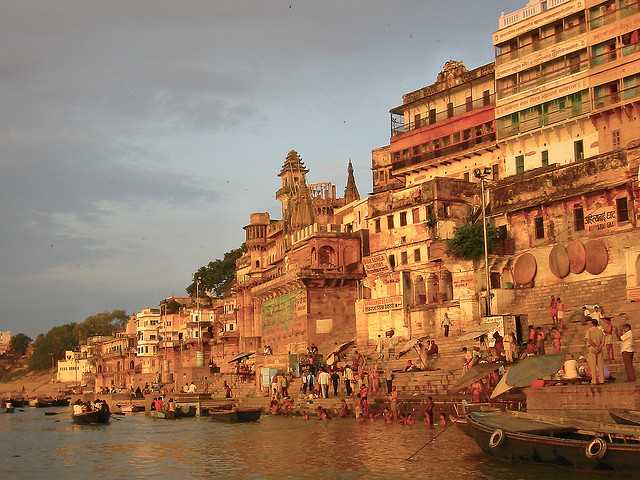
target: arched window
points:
(118, 366)
(433, 288)
(132, 365)
(314, 257)
(99, 368)
(326, 256)
(257, 263)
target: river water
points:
(33, 445)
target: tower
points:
(294, 196)
(351, 190)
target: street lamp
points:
(482, 174)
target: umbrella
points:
(477, 333)
(413, 343)
(475, 373)
(526, 371)
(332, 357)
(241, 356)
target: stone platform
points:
(586, 402)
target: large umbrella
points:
(477, 333)
(413, 343)
(476, 372)
(526, 371)
(241, 356)
(333, 355)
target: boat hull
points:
(100, 417)
(625, 417)
(524, 447)
(237, 415)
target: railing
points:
(536, 45)
(614, 14)
(616, 97)
(545, 78)
(543, 119)
(528, 11)
(398, 126)
(454, 148)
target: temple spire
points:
(351, 190)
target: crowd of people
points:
(97, 405)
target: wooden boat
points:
(625, 417)
(50, 402)
(236, 415)
(179, 413)
(86, 418)
(518, 437)
(131, 408)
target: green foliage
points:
(468, 243)
(51, 346)
(19, 343)
(216, 277)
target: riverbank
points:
(32, 384)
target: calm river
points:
(33, 445)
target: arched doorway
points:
(433, 288)
(447, 286)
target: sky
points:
(136, 136)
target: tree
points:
(217, 276)
(51, 347)
(19, 343)
(468, 242)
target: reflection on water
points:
(136, 446)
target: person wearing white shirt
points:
(627, 352)
(323, 379)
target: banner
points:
(376, 264)
(382, 304)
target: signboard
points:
(382, 304)
(600, 220)
(376, 264)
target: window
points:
(539, 228)
(519, 164)
(545, 158)
(578, 150)
(403, 219)
(415, 213)
(432, 116)
(446, 210)
(450, 110)
(416, 120)
(466, 176)
(615, 138)
(392, 261)
(495, 170)
(469, 103)
(377, 225)
(622, 209)
(403, 258)
(390, 222)
(486, 98)
(495, 280)
(578, 218)
(403, 239)
(416, 255)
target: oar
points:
(408, 459)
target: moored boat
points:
(131, 408)
(236, 415)
(518, 437)
(169, 415)
(625, 417)
(96, 416)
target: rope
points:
(408, 459)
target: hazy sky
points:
(136, 136)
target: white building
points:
(5, 341)
(148, 324)
(73, 367)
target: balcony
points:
(528, 11)
(398, 127)
(612, 13)
(613, 98)
(443, 154)
(551, 116)
(537, 45)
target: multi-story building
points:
(445, 129)
(297, 282)
(567, 81)
(74, 366)
(423, 189)
(148, 341)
